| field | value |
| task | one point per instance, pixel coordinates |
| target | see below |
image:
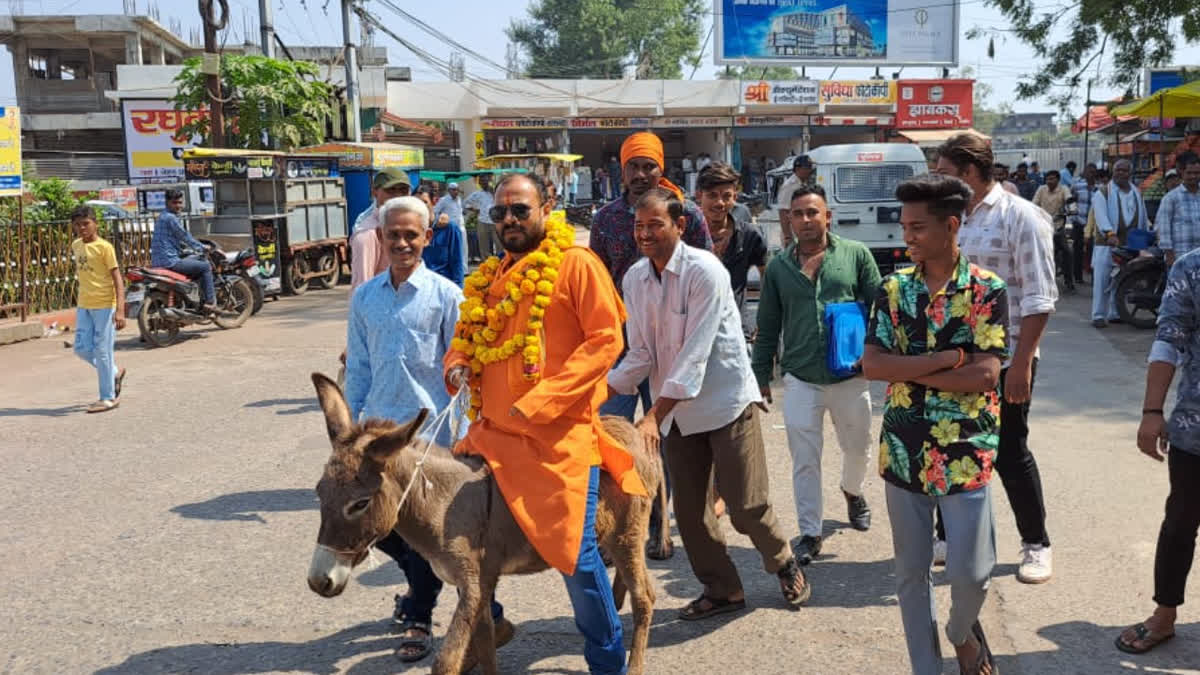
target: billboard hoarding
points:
(836, 32)
(153, 148)
(10, 152)
(935, 104)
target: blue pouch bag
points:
(846, 328)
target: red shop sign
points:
(934, 104)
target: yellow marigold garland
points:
(480, 325)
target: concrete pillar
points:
(466, 142)
(133, 49)
(53, 66)
(158, 54)
(20, 57)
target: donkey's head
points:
(359, 496)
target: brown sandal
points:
(695, 610)
(788, 578)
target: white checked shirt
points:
(1179, 221)
(1013, 238)
(685, 333)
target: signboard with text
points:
(10, 152)
(934, 104)
(836, 32)
(858, 92)
(789, 92)
(609, 123)
(523, 123)
(772, 120)
(153, 145)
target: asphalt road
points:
(173, 534)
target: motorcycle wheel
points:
(154, 327)
(331, 265)
(293, 275)
(234, 304)
(257, 291)
(1140, 282)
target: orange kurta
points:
(541, 461)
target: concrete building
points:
(1017, 128)
(831, 33)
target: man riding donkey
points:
(537, 335)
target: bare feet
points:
(718, 507)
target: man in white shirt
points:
(1010, 236)
(481, 201)
(451, 206)
(802, 174)
(1118, 208)
(685, 333)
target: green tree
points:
(1066, 40)
(757, 73)
(600, 38)
(264, 98)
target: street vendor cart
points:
(290, 208)
(358, 163)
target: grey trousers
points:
(970, 556)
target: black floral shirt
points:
(935, 442)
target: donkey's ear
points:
(333, 404)
(386, 446)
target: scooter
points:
(164, 301)
(1140, 278)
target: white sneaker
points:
(1036, 566)
(939, 552)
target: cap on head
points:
(1172, 173)
(452, 186)
(388, 178)
(802, 162)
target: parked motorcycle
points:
(244, 264)
(164, 301)
(1140, 279)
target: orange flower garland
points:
(479, 326)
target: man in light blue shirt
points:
(401, 323)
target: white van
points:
(860, 182)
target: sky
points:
(480, 25)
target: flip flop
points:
(984, 658)
(103, 406)
(1142, 633)
(120, 379)
(694, 612)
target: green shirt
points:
(794, 304)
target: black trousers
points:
(1079, 248)
(1177, 536)
(1018, 471)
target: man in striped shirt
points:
(1179, 213)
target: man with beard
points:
(536, 400)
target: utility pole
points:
(1087, 122)
(266, 27)
(352, 103)
(213, 68)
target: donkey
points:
(457, 519)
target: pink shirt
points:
(368, 255)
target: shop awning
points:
(447, 176)
(1181, 101)
(930, 136)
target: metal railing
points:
(37, 269)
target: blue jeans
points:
(591, 596)
(95, 342)
(423, 585)
(625, 405)
(198, 267)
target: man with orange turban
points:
(642, 165)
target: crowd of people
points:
(547, 336)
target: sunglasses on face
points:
(519, 211)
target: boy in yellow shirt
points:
(101, 308)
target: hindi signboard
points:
(788, 92)
(153, 144)
(858, 92)
(836, 32)
(10, 151)
(935, 104)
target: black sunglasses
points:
(519, 211)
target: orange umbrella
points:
(1096, 118)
